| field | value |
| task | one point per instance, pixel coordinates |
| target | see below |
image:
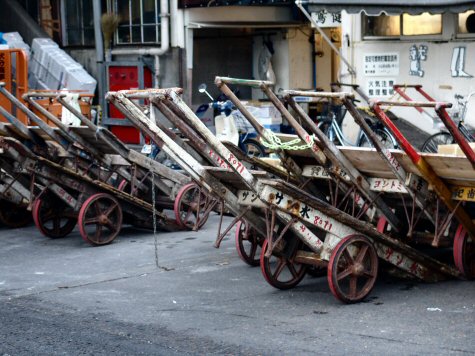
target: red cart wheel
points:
(248, 244)
(122, 185)
(280, 270)
(186, 206)
(353, 269)
(100, 219)
(464, 252)
(382, 224)
(52, 219)
(13, 216)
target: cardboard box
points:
(453, 150)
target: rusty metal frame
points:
(426, 171)
(422, 266)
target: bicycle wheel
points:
(326, 127)
(253, 148)
(385, 137)
(431, 145)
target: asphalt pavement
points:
(64, 297)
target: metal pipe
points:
(338, 159)
(320, 94)
(96, 8)
(299, 4)
(164, 37)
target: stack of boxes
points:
(52, 68)
(267, 115)
(14, 40)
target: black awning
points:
(390, 7)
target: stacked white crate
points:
(79, 79)
(41, 48)
(14, 40)
(267, 115)
(56, 66)
(55, 69)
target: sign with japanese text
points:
(381, 64)
(463, 193)
(380, 87)
(324, 18)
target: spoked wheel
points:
(100, 219)
(248, 243)
(123, 185)
(385, 137)
(189, 200)
(13, 216)
(353, 269)
(280, 269)
(431, 145)
(464, 252)
(52, 218)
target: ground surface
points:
(63, 297)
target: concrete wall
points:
(224, 52)
(300, 58)
(437, 78)
(292, 60)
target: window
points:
(139, 21)
(404, 25)
(78, 23)
(466, 22)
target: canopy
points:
(390, 7)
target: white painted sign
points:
(380, 87)
(388, 185)
(381, 64)
(324, 18)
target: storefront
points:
(431, 43)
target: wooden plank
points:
(117, 160)
(85, 132)
(453, 150)
(456, 170)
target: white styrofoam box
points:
(40, 85)
(39, 43)
(265, 112)
(32, 82)
(63, 62)
(268, 121)
(20, 45)
(273, 127)
(12, 37)
(4, 46)
(41, 48)
(79, 79)
(57, 64)
(14, 40)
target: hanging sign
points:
(324, 18)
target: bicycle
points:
(444, 137)
(331, 125)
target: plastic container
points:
(41, 50)
(273, 127)
(79, 79)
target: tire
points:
(253, 148)
(383, 136)
(432, 143)
(326, 127)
